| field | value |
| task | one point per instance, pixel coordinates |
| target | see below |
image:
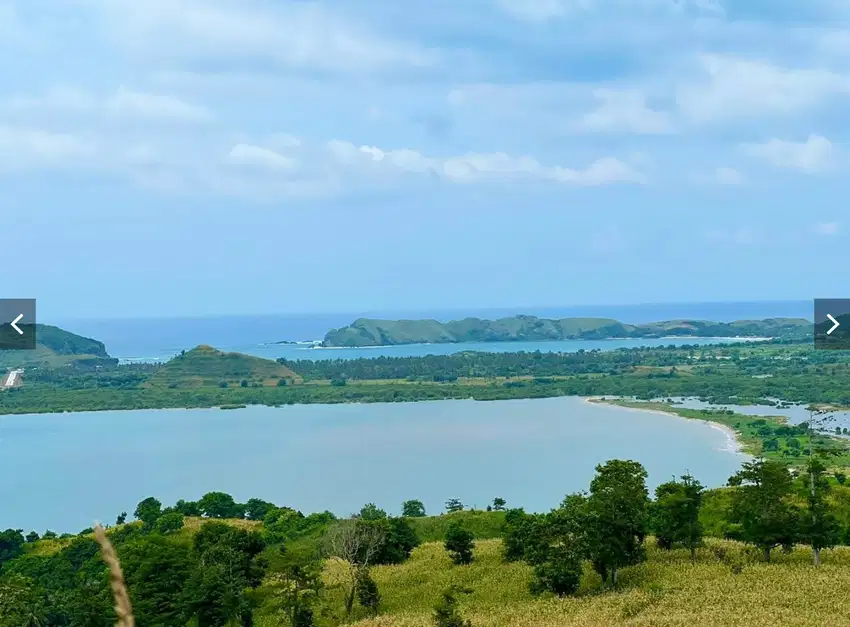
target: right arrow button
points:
(835, 324)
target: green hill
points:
(204, 366)
(57, 347)
(371, 332)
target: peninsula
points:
(372, 332)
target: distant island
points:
(57, 347)
(371, 332)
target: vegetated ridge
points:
(58, 347)
(205, 366)
(372, 332)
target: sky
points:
(190, 157)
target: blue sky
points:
(182, 157)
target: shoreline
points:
(733, 444)
(729, 338)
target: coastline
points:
(731, 339)
(733, 443)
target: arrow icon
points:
(21, 317)
(835, 324)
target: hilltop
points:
(205, 366)
(58, 347)
(372, 332)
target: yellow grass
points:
(192, 524)
(666, 591)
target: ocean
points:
(157, 339)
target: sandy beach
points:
(733, 445)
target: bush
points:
(367, 591)
(560, 573)
(446, 613)
(172, 521)
(459, 544)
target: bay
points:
(159, 339)
(64, 471)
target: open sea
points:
(158, 339)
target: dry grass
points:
(666, 591)
(191, 524)
(123, 609)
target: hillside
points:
(57, 347)
(205, 366)
(371, 332)
(667, 590)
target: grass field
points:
(667, 590)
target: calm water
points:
(160, 339)
(63, 471)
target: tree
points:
(454, 505)
(761, 507)
(675, 514)
(256, 509)
(819, 527)
(156, 569)
(187, 508)
(299, 583)
(31, 537)
(399, 540)
(518, 534)
(499, 504)
(555, 546)
(11, 545)
(167, 523)
(459, 543)
(121, 519)
(231, 565)
(446, 613)
(357, 543)
(413, 509)
(220, 505)
(367, 591)
(560, 572)
(617, 516)
(22, 603)
(148, 511)
(370, 511)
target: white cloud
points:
(539, 10)
(291, 34)
(542, 10)
(728, 176)
(732, 87)
(246, 154)
(813, 155)
(28, 148)
(137, 104)
(826, 228)
(123, 103)
(481, 167)
(624, 111)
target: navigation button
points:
(835, 324)
(832, 323)
(17, 324)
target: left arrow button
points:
(15, 323)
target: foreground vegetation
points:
(608, 556)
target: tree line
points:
(224, 572)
